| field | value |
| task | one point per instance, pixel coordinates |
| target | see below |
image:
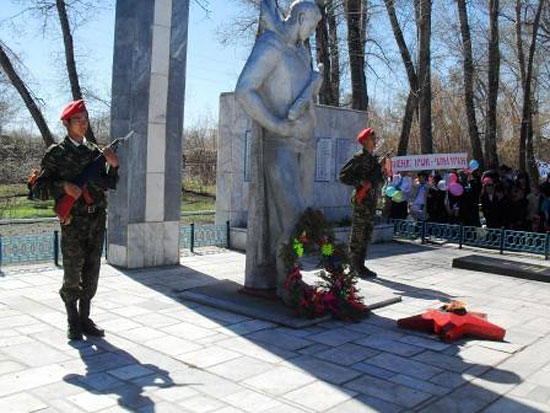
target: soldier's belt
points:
(88, 210)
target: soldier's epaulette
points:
(55, 147)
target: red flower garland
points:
(336, 294)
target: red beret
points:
(364, 134)
(73, 108)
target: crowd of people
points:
(500, 198)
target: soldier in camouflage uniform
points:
(364, 172)
(82, 233)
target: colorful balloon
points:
(390, 191)
(453, 179)
(398, 196)
(442, 185)
(474, 164)
(456, 189)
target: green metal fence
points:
(26, 249)
(196, 236)
(491, 238)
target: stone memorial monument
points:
(334, 143)
(276, 89)
(148, 97)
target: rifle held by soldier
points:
(64, 204)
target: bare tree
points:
(8, 107)
(469, 82)
(17, 82)
(334, 50)
(412, 100)
(69, 58)
(355, 17)
(324, 45)
(526, 81)
(424, 75)
(493, 74)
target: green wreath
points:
(335, 293)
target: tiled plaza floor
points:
(163, 355)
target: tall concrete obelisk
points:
(148, 97)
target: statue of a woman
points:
(276, 88)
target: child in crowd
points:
(517, 212)
(544, 207)
(493, 203)
(468, 203)
(418, 197)
(401, 182)
(435, 202)
(533, 200)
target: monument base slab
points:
(500, 266)
(227, 295)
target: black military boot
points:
(74, 331)
(358, 265)
(88, 326)
(368, 273)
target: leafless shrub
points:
(20, 153)
(199, 155)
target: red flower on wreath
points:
(318, 302)
(335, 294)
(292, 277)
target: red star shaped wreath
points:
(452, 322)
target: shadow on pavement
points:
(384, 378)
(405, 248)
(408, 290)
(127, 379)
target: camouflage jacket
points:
(65, 162)
(362, 166)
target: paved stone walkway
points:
(162, 355)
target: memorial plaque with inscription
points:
(323, 158)
(345, 149)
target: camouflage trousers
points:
(82, 247)
(361, 229)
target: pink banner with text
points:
(430, 161)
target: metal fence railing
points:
(28, 249)
(491, 238)
(25, 249)
(196, 236)
(17, 249)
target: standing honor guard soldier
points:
(83, 229)
(364, 172)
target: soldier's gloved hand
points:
(366, 185)
(111, 157)
(72, 190)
